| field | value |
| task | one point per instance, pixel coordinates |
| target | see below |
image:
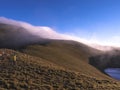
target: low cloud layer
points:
(42, 31)
(47, 32)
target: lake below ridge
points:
(113, 72)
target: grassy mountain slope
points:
(68, 54)
(34, 73)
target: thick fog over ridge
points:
(47, 32)
(42, 31)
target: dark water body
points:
(113, 72)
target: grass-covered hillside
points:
(35, 73)
(68, 54)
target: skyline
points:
(93, 20)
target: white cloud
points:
(47, 32)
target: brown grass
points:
(33, 73)
(71, 55)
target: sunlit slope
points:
(69, 54)
(34, 73)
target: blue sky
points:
(90, 19)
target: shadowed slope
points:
(106, 60)
(12, 36)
